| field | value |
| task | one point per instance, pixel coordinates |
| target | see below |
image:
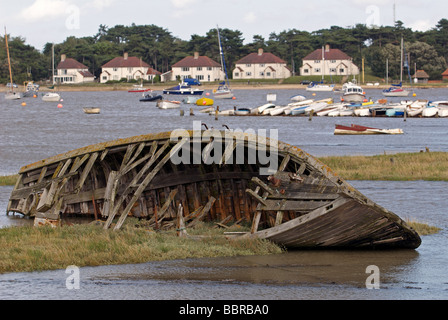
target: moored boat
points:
(183, 89)
(205, 102)
(396, 90)
(362, 130)
(353, 93)
(168, 104)
(92, 110)
(151, 97)
(51, 97)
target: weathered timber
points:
(302, 203)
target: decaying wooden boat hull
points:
(301, 203)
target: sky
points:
(42, 21)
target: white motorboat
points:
(353, 93)
(430, 111)
(167, 104)
(93, 110)
(12, 95)
(51, 97)
(316, 107)
(315, 87)
(443, 110)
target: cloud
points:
(250, 17)
(182, 4)
(43, 9)
(422, 25)
(100, 4)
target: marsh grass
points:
(8, 180)
(423, 229)
(25, 249)
(429, 166)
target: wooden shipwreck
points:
(302, 203)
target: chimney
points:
(260, 52)
(126, 56)
(327, 48)
(63, 57)
(196, 55)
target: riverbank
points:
(249, 85)
(27, 249)
(428, 166)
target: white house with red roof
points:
(261, 65)
(70, 71)
(129, 68)
(328, 62)
(198, 67)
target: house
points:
(152, 73)
(129, 68)
(420, 76)
(328, 62)
(198, 67)
(261, 65)
(445, 75)
(70, 71)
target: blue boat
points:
(184, 89)
(299, 110)
(394, 112)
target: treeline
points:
(158, 47)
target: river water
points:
(39, 130)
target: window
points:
(200, 78)
(185, 69)
(248, 74)
(341, 70)
(209, 69)
(130, 70)
(115, 69)
(237, 74)
(333, 70)
(261, 74)
(248, 65)
(268, 74)
(333, 61)
(316, 61)
(316, 69)
(104, 77)
(306, 70)
(199, 68)
(262, 65)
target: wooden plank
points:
(145, 183)
(166, 206)
(181, 230)
(203, 212)
(42, 174)
(86, 171)
(109, 194)
(79, 162)
(264, 186)
(276, 205)
(256, 196)
(284, 163)
(255, 222)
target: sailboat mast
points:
(52, 63)
(401, 61)
(221, 53)
(9, 60)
